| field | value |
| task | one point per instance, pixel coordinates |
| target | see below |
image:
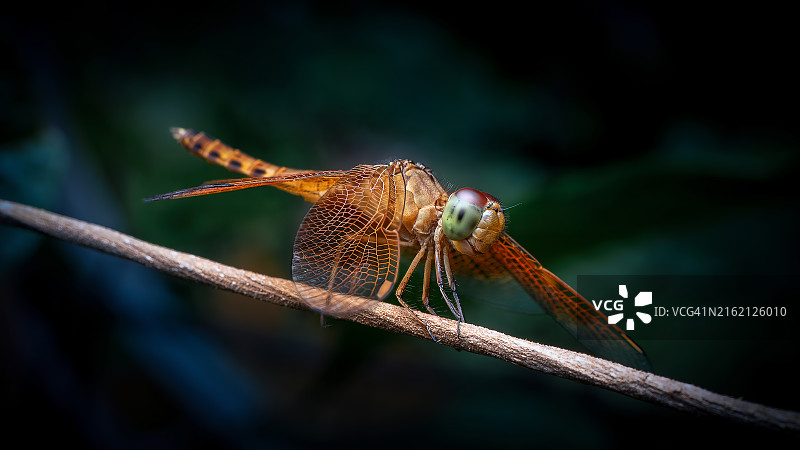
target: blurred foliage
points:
(635, 140)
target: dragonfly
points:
(350, 241)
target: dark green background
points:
(634, 140)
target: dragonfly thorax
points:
(472, 220)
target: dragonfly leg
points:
(426, 284)
(411, 268)
(404, 282)
(452, 282)
(322, 322)
(419, 319)
(439, 254)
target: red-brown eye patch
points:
(472, 196)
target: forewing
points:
(483, 266)
(347, 248)
(307, 184)
(568, 307)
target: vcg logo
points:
(614, 308)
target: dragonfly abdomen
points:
(216, 152)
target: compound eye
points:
(462, 213)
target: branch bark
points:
(551, 360)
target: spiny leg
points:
(413, 266)
(404, 282)
(438, 252)
(452, 281)
(426, 284)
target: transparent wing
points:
(483, 266)
(307, 184)
(568, 307)
(348, 244)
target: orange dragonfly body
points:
(349, 244)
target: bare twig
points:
(543, 358)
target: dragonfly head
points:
(472, 220)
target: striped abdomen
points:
(214, 151)
(309, 184)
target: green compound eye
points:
(462, 213)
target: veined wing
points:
(348, 244)
(482, 266)
(568, 307)
(306, 184)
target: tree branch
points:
(551, 360)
